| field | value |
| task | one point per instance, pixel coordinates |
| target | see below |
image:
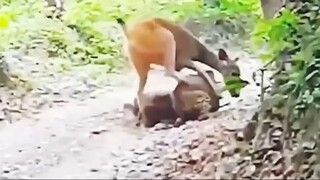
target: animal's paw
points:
(178, 122)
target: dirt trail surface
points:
(72, 126)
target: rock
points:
(308, 145)
(172, 156)
(149, 162)
(156, 157)
(149, 148)
(239, 136)
(175, 175)
(277, 170)
(170, 166)
(75, 150)
(228, 150)
(125, 163)
(232, 127)
(249, 170)
(249, 131)
(197, 168)
(138, 151)
(221, 143)
(161, 126)
(193, 124)
(236, 171)
(184, 157)
(145, 168)
(99, 131)
(94, 170)
(157, 172)
(289, 172)
(226, 167)
(196, 154)
(158, 164)
(277, 133)
(133, 174)
(208, 169)
(143, 158)
(147, 175)
(6, 170)
(4, 77)
(122, 173)
(184, 168)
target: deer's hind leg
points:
(142, 67)
(169, 54)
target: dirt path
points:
(68, 141)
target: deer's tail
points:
(123, 25)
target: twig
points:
(262, 85)
(264, 66)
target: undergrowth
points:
(291, 49)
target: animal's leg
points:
(142, 67)
(142, 82)
(136, 112)
(179, 121)
(138, 119)
(170, 55)
(212, 82)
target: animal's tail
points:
(120, 21)
(123, 25)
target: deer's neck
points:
(209, 58)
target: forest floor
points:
(73, 126)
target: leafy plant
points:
(293, 44)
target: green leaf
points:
(311, 75)
(316, 92)
(4, 21)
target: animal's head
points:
(230, 67)
(231, 74)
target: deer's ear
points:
(245, 82)
(222, 54)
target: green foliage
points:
(238, 8)
(293, 43)
(274, 32)
(87, 32)
(236, 17)
(234, 85)
(297, 36)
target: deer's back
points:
(185, 41)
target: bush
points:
(293, 44)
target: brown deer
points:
(159, 41)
